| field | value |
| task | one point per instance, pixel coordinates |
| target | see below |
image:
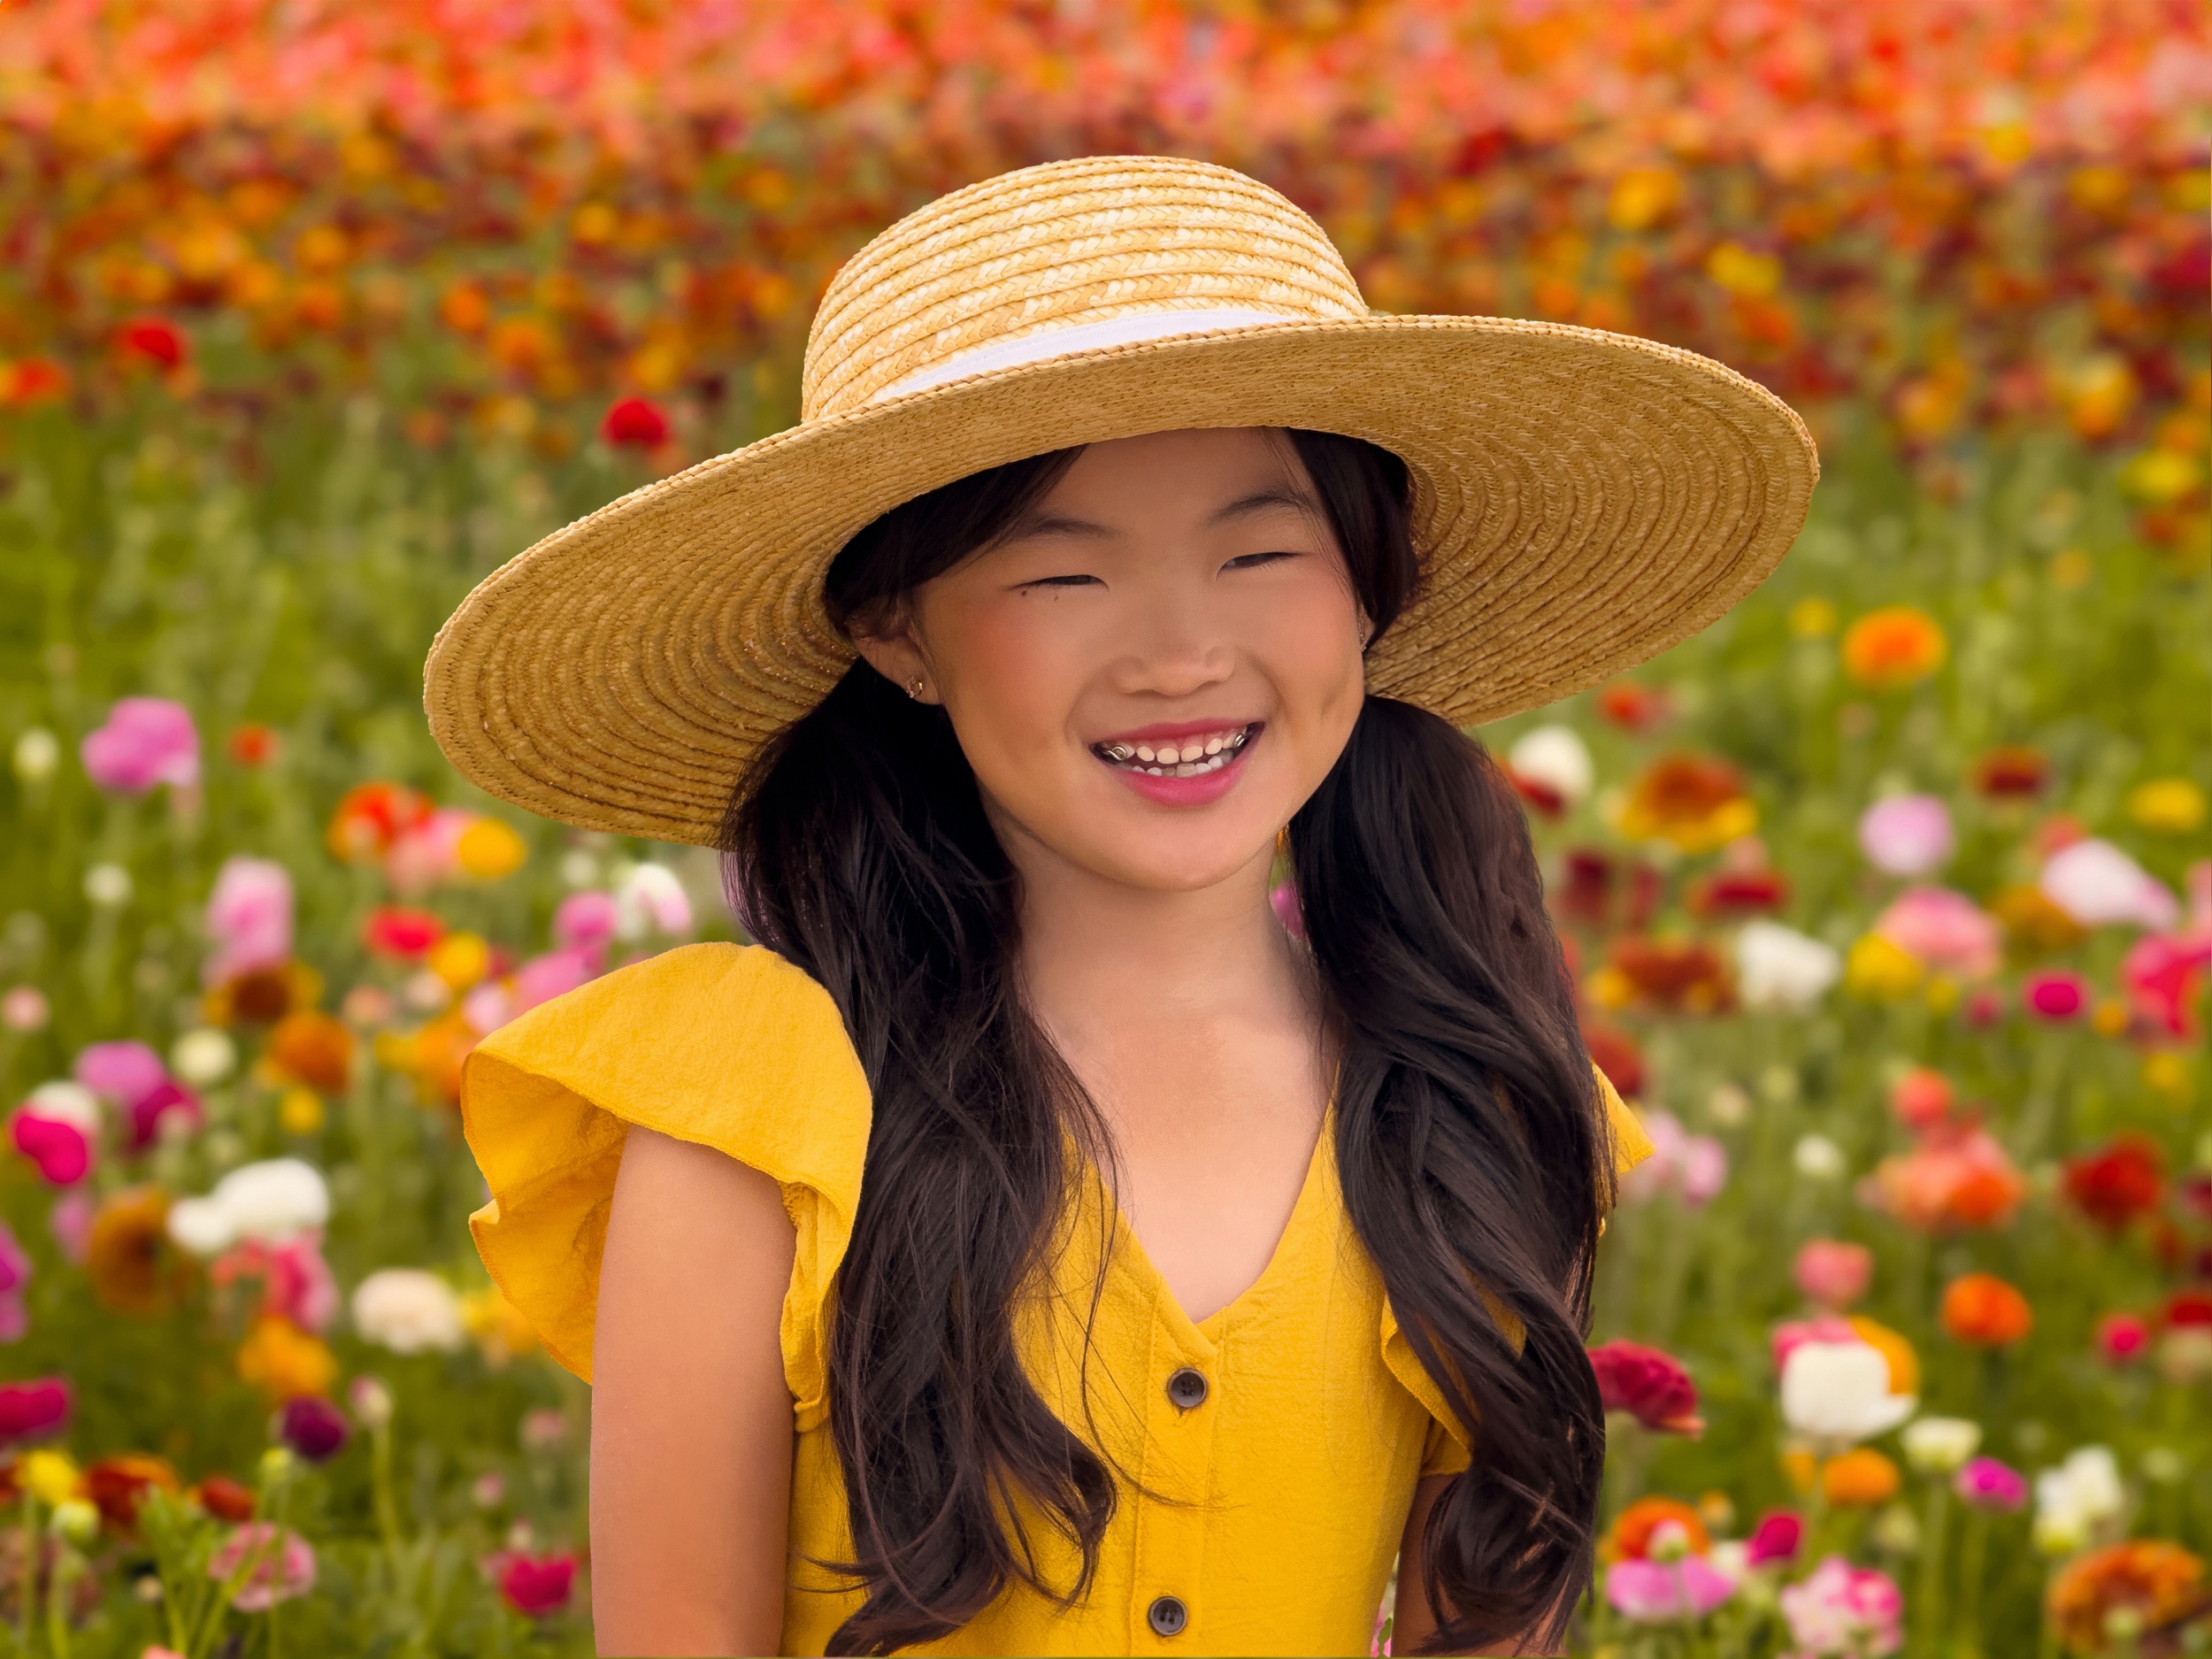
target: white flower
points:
(1780, 967)
(108, 885)
(269, 1202)
(2074, 1499)
(409, 1311)
(1941, 1446)
(37, 752)
(2095, 882)
(1818, 1158)
(1839, 1392)
(1555, 757)
(62, 1101)
(204, 1056)
(650, 899)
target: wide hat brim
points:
(1581, 500)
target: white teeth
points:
(1213, 746)
(1144, 752)
(1191, 759)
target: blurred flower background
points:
(1888, 896)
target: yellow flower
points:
(1881, 972)
(300, 1111)
(460, 959)
(50, 1475)
(1739, 270)
(2167, 806)
(1813, 618)
(1642, 196)
(1697, 801)
(489, 849)
(284, 1362)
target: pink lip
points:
(1202, 790)
(1168, 731)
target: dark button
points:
(1186, 1388)
(1167, 1615)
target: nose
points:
(1175, 647)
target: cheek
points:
(1008, 676)
(1313, 657)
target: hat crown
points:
(1063, 257)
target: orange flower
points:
(2012, 770)
(1957, 1176)
(118, 1485)
(1894, 647)
(1629, 1537)
(284, 1362)
(2035, 926)
(1904, 1364)
(1983, 1309)
(371, 816)
(128, 1257)
(2160, 1584)
(262, 997)
(1860, 1478)
(312, 1048)
(1697, 801)
(1682, 976)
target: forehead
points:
(1208, 478)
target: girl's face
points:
(1157, 665)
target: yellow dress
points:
(1285, 1487)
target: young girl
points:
(1042, 1241)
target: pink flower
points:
(15, 1273)
(1777, 1537)
(1822, 1327)
(1651, 1591)
(1921, 1099)
(60, 1150)
(1695, 1168)
(1946, 930)
(126, 1072)
(146, 741)
(584, 921)
(556, 973)
(149, 1109)
(1988, 1484)
(250, 918)
(1907, 834)
(2095, 883)
(1843, 1611)
(2162, 973)
(536, 1586)
(429, 853)
(296, 1282)
(488, 1007)
(2056, 996)
(1649, 1386)
(1984, 1007)
(70, 1221)
(1833, 1273)
(284, 1565)
(28, 1409)
(2122, 1338)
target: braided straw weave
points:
(1581, 500)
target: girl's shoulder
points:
(727, 1046)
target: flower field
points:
(1889, 897)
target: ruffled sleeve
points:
(1447, 1450)
(727, 1046)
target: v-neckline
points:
(1122, 1233)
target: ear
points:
(889, 646)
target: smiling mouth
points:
(1187, 758)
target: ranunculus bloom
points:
(126, 1254)
(1585, 894)
(1651, 1591)
(554, 974)
(536, 1586)
(1833, 1273)
(2034, 926)
(1697, 801)
(146, 741)
(429, 853)
(1679, 976)
(285, 1361)
(371, 816)
(224, 1499)
(60, 1151)
(634, 423)
(168, 1098)
(2164, 974)
(1551, 764)
(2011, 772)
(1907, 834)
(295, 1281)
(1614, 1052)
(2158, 1585)
(126, 1072)
(1728, 894)
(1945, 930)
(1649, 1386)
(489, 850)
(402, 934)
(2095, 883)
(1984, 1310)
(1632, 706)
(272, 1202)
(118, 1485)
(312, 1426)
(1921, 1099)
(1777, 1537)
(15, 1274)
(650, 900)
(1840, 1392)
(2055, 997)
(1892, 647)
(585, 920)
(250, 918)
(252, 744)
(2120, 1338)
(1859, 1479)
(1941, 1446)
(284, 1565)
(1988, 1484)
(1636, 1529)
(1693, 1168)
(1780, 967)
(1957, 1176)
(409, 1311)
(2077, 1498)
(154, 339)
(29, 1409)
(2124, 1179)
(1842, 1610)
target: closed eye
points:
(1253, 560)
(1060, 582)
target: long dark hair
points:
(1473, 1158)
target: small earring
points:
(915, 690)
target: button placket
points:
(1178, 1465)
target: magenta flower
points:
(126, 1072)
(146, 741)
(313, 1427)
(15, 1273)
(1988, 1484)
(1833, 1273)
(29, 1409)
(1842, 1610)
(1649, 1386)
(61, 1151)
(2055, 997)
(250, 918)
(1693, 1168)
(2160, 972)
(284, 1565)
(149, 1109)
(1907, 834)
(1652, 1591)
(1777, 1539)
(2122, 1338)
(535, 1585)
(1947, 931)
(585, 921)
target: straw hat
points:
(1581, 500)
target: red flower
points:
(535, 1585)
(252, 745)
(155, 339)
(2012, 770)
(2116, 1185)
(1683, 975)
(1589, 885)
(1649, 1386)
(634, 422)
(224, 1499)
(28, 1409)
(1538, 794)
(1741, 893)
(1636, 707)
(32, 381)
(2187, 1308)
(372, 816)
(393, 930)
(1615, 1053)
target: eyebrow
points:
(1243, 506)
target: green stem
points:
(30, 1572)
(1973, 1556)
(59, 1583)
(1927, 1617)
